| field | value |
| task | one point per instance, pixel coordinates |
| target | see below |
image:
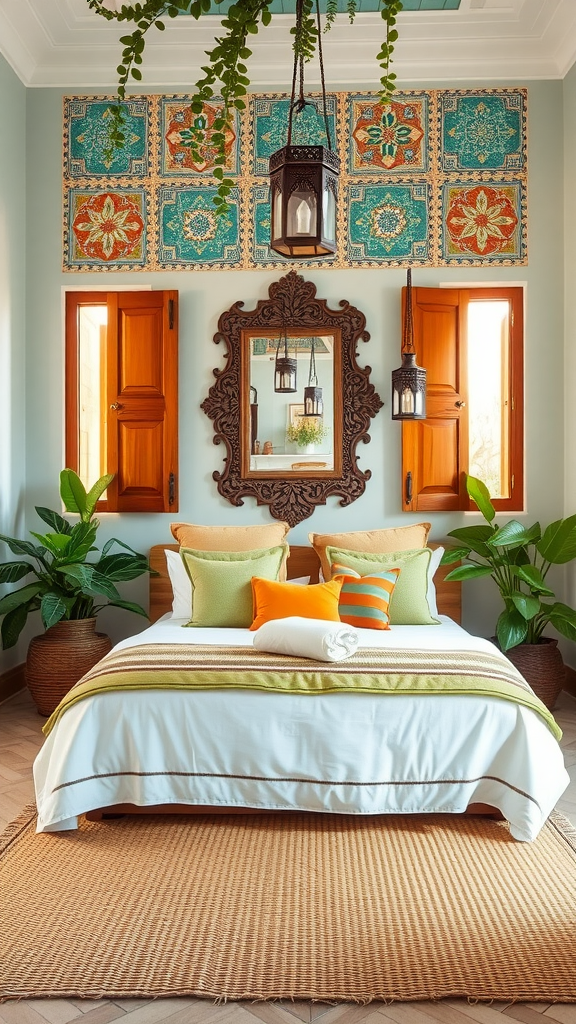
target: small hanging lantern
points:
(409, 381)
(304, 180)
(284, 368)
(313, 403)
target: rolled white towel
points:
(319, 639)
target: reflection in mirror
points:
(283, 437)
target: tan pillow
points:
(231, 538)
(372, 542)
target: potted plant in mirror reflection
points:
(306, 433)
(68, 588)
(518, 558)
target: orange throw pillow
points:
(272, 600)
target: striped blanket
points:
(370, 670)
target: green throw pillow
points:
(409, 603)
(222, 582)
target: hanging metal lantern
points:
(284, 369)
(409, 380)
(304, 180)
(313, 402)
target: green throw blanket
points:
(203, 667)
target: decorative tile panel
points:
(483, 221)
(433, 178)
(105, 228)
(387, 223)
(388, 137)
(191, 234)
(483, 130)
(86, 138)
(177, 123)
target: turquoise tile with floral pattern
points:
(88, 133)
(269, 126)
(483, 130)
(262, 254)
(177, 125)
(105, 227)
(191, 233)
(388, 138)
(387, 223)
(484, 222)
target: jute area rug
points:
(286, 905)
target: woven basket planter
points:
(59, 657)
(542, 666)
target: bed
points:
(340, 752)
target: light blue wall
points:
(12, 312)
(569, 97)
(204, 295)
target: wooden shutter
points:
(434, 450)
(142, 401)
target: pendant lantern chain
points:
(408, 339)
(312, 375)
(298, 71)
(304, 176)
(321, 62)
(283, 338)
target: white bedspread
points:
(347, 753)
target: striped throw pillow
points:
(364, 600)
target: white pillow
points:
(431, 589)
(303, 581)
(181, 586)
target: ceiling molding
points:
(62, 43)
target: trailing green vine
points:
(226, 73)
(389, 11)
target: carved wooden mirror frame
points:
(292, 305)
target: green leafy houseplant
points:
(304, 432)
(226, 71)
(518, 559)
(67, 584)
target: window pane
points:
(488, 393)
(91, 349)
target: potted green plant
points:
(68, 588)
(307, 432)
(518, 558)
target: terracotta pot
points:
(542, 666)
(59, 657)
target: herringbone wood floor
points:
(20, 739)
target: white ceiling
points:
(63, 43)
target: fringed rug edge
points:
(14, 830)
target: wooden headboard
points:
(302, 561)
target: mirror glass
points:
(278, 436)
